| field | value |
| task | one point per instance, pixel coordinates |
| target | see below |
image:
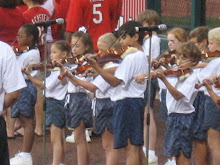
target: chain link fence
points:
(184, 13)
(213, 13)
(176, 13)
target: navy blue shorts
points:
(128, 116)
(4, 153)
(103, 115)
(212, 114)
(179, 134)
(199, 132)
(163, 106)
(26, 101)
(79, 109)
(153, 91)
(55, 113)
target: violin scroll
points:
(216, 83)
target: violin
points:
(216, 83)
(180, 73)
(169, 58)
(40, 66)
(77, 60)
(210, 55)
(109, 55)
(20, 49)
(81, 69)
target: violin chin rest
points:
(182, 77)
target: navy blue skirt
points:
(55, 113)
(78, 109)
(199, 132)
(179, 134)
(26, 101)
(128, 116)
(212, 114)
(103, 115)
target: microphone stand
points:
(148, 98)
(44, 105)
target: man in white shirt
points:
(11, 81)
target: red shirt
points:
(98, 16)
(11, 21)
(37, 14)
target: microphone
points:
(151, 28)
(50, 22)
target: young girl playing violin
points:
(199, 37)
(176, 37)
(78, 103)
(55, 93)
(179, 99)
(24, 107)
(102, 105)
(212, 113)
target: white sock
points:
(62, 164)
(151, 152)
(144, 149)
(25, 155)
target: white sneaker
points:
(170, 162)
(70, 138)
(88, 139)
(152, 160)
(21, 160)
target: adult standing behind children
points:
(10, 84)
(11, 20)
(35, 13)
(128, 95)
(98, 16)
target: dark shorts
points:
(78, 109)
(128, 116)
(55, 113)
(179, 134)
(212, 114)
(4, 153)
(163, 106)
(103, 115)
(26, 101)
(153, 91)
(199, 132)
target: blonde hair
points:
(214, 35)
(179, 33)
(110, 41)
(149, 16)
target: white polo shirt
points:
(133, 64)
